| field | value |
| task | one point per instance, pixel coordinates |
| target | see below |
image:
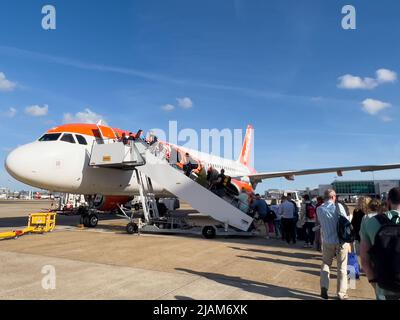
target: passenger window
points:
(81, 139)
(67, 137)
(50, 137)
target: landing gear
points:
(132, 228)
(90, 220)
(93, 220)
(209, 232)
(88, 217)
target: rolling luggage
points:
(353, 265)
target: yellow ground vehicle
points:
(37, 223)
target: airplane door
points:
(106, 133)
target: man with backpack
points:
(309, 216)
(265, 214)
(329, 215)
(380, 249)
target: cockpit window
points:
(67, 137)
(50, 137)
(81, 139)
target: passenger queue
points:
(326, 225)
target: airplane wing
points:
(290, 174)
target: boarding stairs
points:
(153, 163)
(147, 197)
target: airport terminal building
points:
(360, 187)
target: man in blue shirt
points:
(287, 212)
(260, 206)
(328, 216)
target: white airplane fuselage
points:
(61, 166)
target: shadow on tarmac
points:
(317, 272)
(297, 255)
(284, 262)
(268, 290)
(183, 298)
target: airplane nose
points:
(15, 163)
(23, 163)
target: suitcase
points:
(352, 262)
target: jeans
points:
(318, 244)
(278, 228)
(269, 227)
(289, 229)
(309, 233)
(295, 220)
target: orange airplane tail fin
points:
(245, 154)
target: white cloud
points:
(373, 107)
(11, 112)
(85, 116)
(385, 75)
(167, 107)
(5, 84)
(185, 102)
(37, 111)
(351, 82)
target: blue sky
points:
(275, 64)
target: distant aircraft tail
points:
(245, 154)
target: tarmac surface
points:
(107, 263)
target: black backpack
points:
(345, 229)
(385, 253)
(271, 215)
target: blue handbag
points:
(352, 261)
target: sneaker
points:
(343, 296)
(324, 293)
